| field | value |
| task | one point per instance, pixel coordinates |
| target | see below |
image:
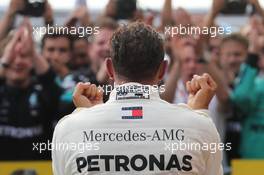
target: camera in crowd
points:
(34, 8)
(125, 9)
(237, 7)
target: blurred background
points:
(61, 9)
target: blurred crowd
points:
(37, 79)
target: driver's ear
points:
(109, 68)
(162, 69)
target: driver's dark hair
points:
(137, 51)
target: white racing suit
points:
(136, 132)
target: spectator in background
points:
(182, 71)
(57, 50)
(188, 52)
(80, 58)
(214, 49)
(99, 50)
(247, 97)
(28, 98)
(183, 55)
(80, 63)
(68, 58)
(234, 93)
(80, 43)
(100, 47)
(233, 51)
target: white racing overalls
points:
(135, 132)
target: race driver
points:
(135, 132)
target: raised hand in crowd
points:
(209, 21)
(27, 43)
(171, 82)
(258, 7)
(80, 14)
(16, 6)
(254, 42)
(256, 45)
(110, 9)
(10, 52)
(48, 14)
(8, 19)
(22, 44)
(166, 14)
(217, 6)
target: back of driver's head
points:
(137, 51)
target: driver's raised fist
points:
(201, 91)
(87, 95)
